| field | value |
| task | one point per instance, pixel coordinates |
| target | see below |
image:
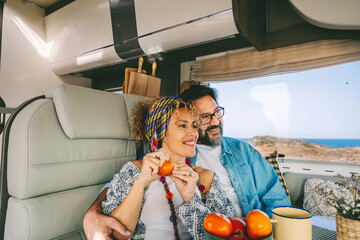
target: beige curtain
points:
(249, 63)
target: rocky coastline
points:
(302, 150)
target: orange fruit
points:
(218, 225)
(258, 224)
(166, 168)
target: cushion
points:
(39, 152)
(315, 202)
(86, 113)
(49, 216)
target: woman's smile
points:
(181, 134)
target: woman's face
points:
(181, 134)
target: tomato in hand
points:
(166, 168)
(218, 225)
(258, 225)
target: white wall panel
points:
(154, 15)
(81, 36)
(333, 14)
(214, 27)
(25, 70)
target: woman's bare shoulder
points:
(202, 171)
(138, 163)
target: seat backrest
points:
(60, 151)
(296, 184)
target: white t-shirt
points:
(209, 158)
(156, 212)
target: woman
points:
(173, 207)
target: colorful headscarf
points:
(158, 119)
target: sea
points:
(330, 142)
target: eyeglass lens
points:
(207, 118)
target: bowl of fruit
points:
(256, 226)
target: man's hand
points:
(98, 226)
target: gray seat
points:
(296, 183)
(60, 151)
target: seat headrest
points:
(89, 113)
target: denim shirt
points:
(255, 182)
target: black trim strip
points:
(56, 6)
(123, 21)
(2, 115)
(4, 195)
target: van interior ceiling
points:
(257, 23)
(58, 58)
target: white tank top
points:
(156, 212)
(209, 158)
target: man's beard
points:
(213, 142)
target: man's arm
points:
(254, 180)
(98, 226)
(272, 193)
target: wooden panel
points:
(249, 16)
(305, 33)
(252, 22)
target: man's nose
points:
(214, 121)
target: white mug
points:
(291, 223)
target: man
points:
(247, 178)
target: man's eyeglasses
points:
(205, 119)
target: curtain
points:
(249, 62)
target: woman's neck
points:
(177, 158)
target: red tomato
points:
(166, 168)
(239, 229)
(258, 224)
(238, 236)
(218, 224)
(239, 225)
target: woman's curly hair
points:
(140, 112)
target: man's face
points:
(211, 134)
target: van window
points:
(309, 115)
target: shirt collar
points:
(225, 149)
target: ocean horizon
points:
(329, 142)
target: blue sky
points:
(322, 103)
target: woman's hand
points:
(185, 179)
(150, 166)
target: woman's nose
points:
(192, 132)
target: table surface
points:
(324, 228)
(324, 222)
